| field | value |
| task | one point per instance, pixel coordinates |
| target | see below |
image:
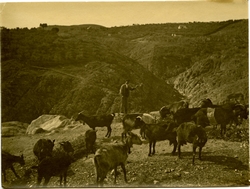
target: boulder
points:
(47, 123)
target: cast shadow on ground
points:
(230, 162)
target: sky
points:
(31, 14)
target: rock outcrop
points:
(47, 123)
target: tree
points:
(43, 25)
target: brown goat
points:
(160, 132)
(191, 133)
(108, 157)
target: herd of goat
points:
(177, 123)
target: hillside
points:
(201, 60)
(30, 91)
(67, 69)
(223, 71)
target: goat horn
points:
(139, 117)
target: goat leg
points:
(154, 147)
(39, 180)
(200, 152)
(101, 181)
(108, 132)
(65, 178)
(194, 152)
(124, 135)
(174, 149)
(61, 179)
(223, 130)
(97, 177)
(92, 149)
(13, 170)
(150, 145)
(124, 172)
(142, 134)
(115, 174)
(179, 151)
(47, 178)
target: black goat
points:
(188, 114)
(90, 138)
(43, 148)
(205, 103)
(57, 165)
(240, 112)
(189, 132)
(7, 163)
(159, 132)
(185, 115)
(98, 121)
(220, 114)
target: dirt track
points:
(224, 163)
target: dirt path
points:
(224, 163)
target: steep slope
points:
(67, 69)
(224, 71)
(91, 85)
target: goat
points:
(7, 163)
(191, 133)
(90, 138)
(43, 148)
(205, 103)
(172, 108)
(129, 122)
(159, 132)
(240, 112)
(108, 157)
(187, 114)
(98, 121)
(220, 114)
(56, 165)
(66, 147)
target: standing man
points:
(124, 92)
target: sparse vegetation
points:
(69, 67)
(62, 70)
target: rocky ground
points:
(225, 161)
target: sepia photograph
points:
(125, 94)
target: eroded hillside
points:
(223, 71)
(67, 69)
(201, 60)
